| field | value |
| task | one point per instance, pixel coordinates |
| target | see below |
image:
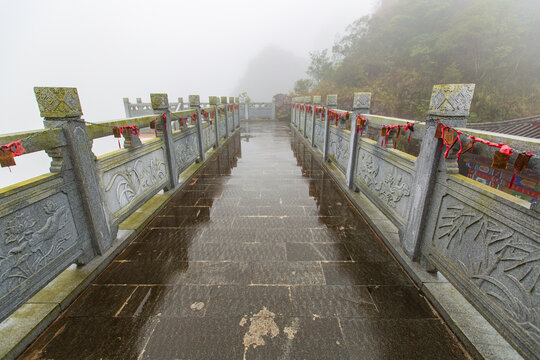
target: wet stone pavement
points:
(260, 257)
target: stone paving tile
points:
(167, 301)
(399, 339)
(261, 248)
(366, 273)
(286, 273)
(317, 251)
(92, 338)
(195, 338)
(333, 301)
(231, 300)
(283, 235)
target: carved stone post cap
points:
(126, 100)
(231, 99)
(223, 99)
(139, 100)
(58, 102)
(236, 100)
(331, 100)
(194, 100)
(159, 101)
(307, 100)
(362, 100)
(317, 99)
(451, 100)
(213, 100)
(180, 99)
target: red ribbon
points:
(14, 147)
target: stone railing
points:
(483, 240)
(72, 214)
(261, 110)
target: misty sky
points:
(114, 49)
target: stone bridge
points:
(229, 234)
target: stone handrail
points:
(72, 214)
(484, 241)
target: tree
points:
(302, 86)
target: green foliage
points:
(303, 86)
(407, 46)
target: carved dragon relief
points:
(392, 189)
(133, 180)
(502, 262)
(186, 150)
(309, 126)
(27, 244)
(339, 149)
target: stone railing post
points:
(180, 105)
(237, 103)
(331, 103)
(316, 101)
(451, 105)
(160, 105)
(61, 107)
(226, 112)
(246, 110)
(273, 111)
(307, 101)
(213, 101)
(195, 103)
(231, 102)
(361, 105)
(127, 110)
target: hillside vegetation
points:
(407, 46)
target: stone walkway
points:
(260, 257)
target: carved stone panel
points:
(338, 149)
(309, 126)
(319, 134)
(33, 237)
(209, 137)
(187, 150)
(159, 101)
(362, 100)
(451, 100)
(58, 102)
(134, 179)
(503, 262)
(386, 181)
(221, 128)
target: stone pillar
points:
(307, 101)
(231, 102)
(126, 107)
(180, 105)
(213, 101)
(361, 105)
(331, 103)
(273, 110)
(246, 110)
(237, 103)
(226, 112)
(160, 105)
(195, 103)
(316, 101)
(451, 105)
(61, 107)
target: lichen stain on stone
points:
(197, 306)
(261, 324)
(291, 330)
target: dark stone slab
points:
(333, 301)
(372, 273)
(287, 273)
(230, 300)
(92, 338)
(271, 235)
(404, 302)
(214, 273)
(317, 251)
(102, 301)
(399, 339)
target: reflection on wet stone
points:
(260, 256)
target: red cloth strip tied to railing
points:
(9, 151)
(361, 123)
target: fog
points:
(115, 49)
